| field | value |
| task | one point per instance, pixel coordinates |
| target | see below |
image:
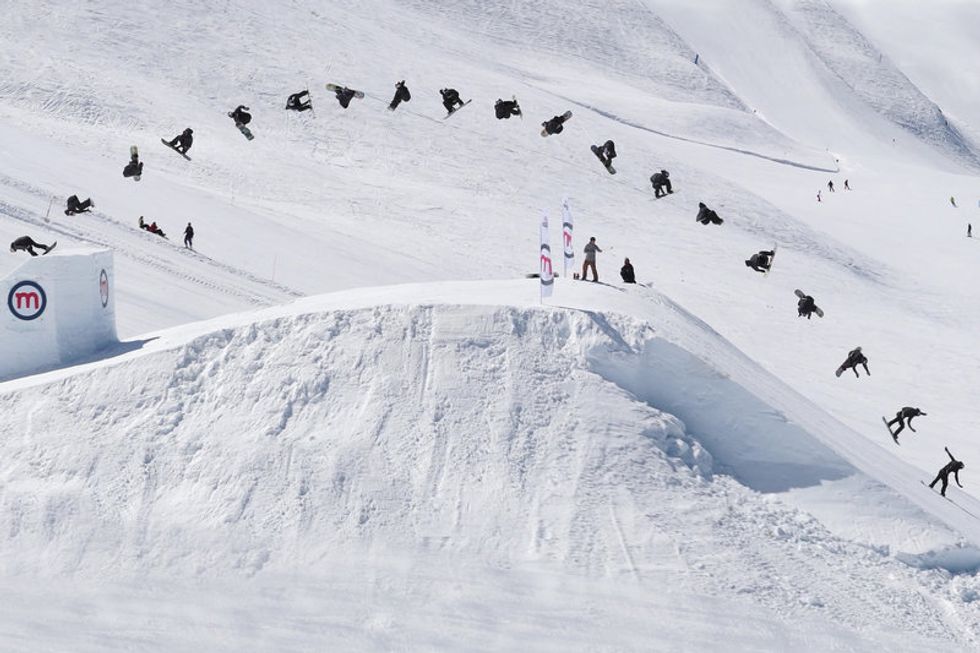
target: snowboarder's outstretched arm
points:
(949, 454)
(956, 475)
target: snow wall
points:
(58, 309)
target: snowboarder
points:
(907, 413)
(590, 250)
(627, 273)
(952, 200)
(401, 95)
(606, 153)
(953, 467)
(854, 358)
(74, 206)
(707, 216)
(555, 125)
(504, 109)
(27, 244)
(189, 236)
(661, 181)
(806, 306)
(241, 115)
(830, 185)
(762, 261)
(299, 101)
(450, 99)
(135, 167)
(345, 95)
(183, 141)
(969, 230)
(847, 185)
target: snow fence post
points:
(546, 273)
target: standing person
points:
(189, 236)
(969, 230)
(907, 413)
(830, 185)
(953, 467)
(450, 99)
(847, 186)
(590, 250)
(27, 244)
(627, 273)
(183, 141)
(854, 358)
(401, 95)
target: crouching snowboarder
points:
(504, 109)
(854, 358)
(299, 101)
(907, 413)
(135, 167)
(183, 141)
(402, 94)
(953, 467)
(556, 125)
(606, 153)
(27, 244)
(627, 273)
(73, 205)
(707, 216)
(661, 183)
(761, 262)
(450, 99)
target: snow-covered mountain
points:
(379, 439)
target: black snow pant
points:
(29, 247)
(189, 241)
(658, 189)
(941, 477)
(585, 268)
(901, 425)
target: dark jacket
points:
(609, 150)
(659, 178)
(626, 272)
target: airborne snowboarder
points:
(241, 115)
(27, 244)
(907, 413)
(953, 467)
(555, 125)
(761, 262)
(183, 141)
(707, 216)
(344, 96)
(450, 99)
(135, 167)
(854, 358)
(606, 153)
(402, 94)
(661, 181)
(299, 101)
(504, 109)
(74, 206)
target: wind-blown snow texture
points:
(448, 465)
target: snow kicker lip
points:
(958, 560)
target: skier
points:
(299, 101)
(555, 125)
(135, 167)
(626, 272)
(606, 153)
(707, 216)
(183, 141)
(954, 467)
(450, 99)
(189, 236)
(854, 358)
(762, 261)
(830, 186)
(590, 250)
(907, 413)
(806, 306)
(847, 185)
(241, 115)
(344, 96)
(504, 109)
(74, 206)
(661, 181)
(27, 244)
(401, 95)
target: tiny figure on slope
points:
(135, 167)
(152, 228)
(830, 185)
(854, 358)
(847, 185)
(450, 99)
(627, 273)
(761, 262)
(299, 101)
(556, 125)
(27, 244)
(189, 236)
(952, 200)
(183, 141)
(402, 94)
(906, 413)
(590, 251)
(73, 205)
(969, 230)
(707, 216)
(818, 197)
(504, 109)
(952, 467)
(344, 96)
(661, 183)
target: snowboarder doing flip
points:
(189, 236)
(504, 109)
(401, 95)
(74, 206)
(344, 96)
(761, 262)
(241, 115)
(854, 358)
(27, 244)
(627, 273)
(606, 153)
(183, 141)
(450, 99)
(907, 413)
(590, 250)
(555, 125)
(135, 167)
(661, 181)
(707, 216)
(953, 467)
(299, 101)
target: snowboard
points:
(660, 197)
(457, 108)
(772, 259)
(816, 309)
(174, 149)
(53, 245)
(135, 152)
(564, 118)
(334, 87)
(608, 165)
(246, 132)
(885, 421)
